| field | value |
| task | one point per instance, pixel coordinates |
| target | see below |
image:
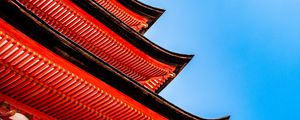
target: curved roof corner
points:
(152, 13)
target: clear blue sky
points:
(247, 56)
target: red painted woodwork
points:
(92, 35)
(32, 75)
(129, 17)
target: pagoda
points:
(84, 60)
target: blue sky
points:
(247, 56)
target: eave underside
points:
(155, 51)
(35, 76)
(99, 40)
(135, 21)
(151, 13)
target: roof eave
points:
(171, 58)
(150, 12)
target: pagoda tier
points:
(138, 40)
(132, 19)
(84, 84)
(135, 14)
(149, 12)
(131, 53)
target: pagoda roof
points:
(133, 13)
(150, 12)
(39, 31)
(119, 46)
(83, 29)
(36, 77)
(138, 40)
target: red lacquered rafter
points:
(43, 89)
